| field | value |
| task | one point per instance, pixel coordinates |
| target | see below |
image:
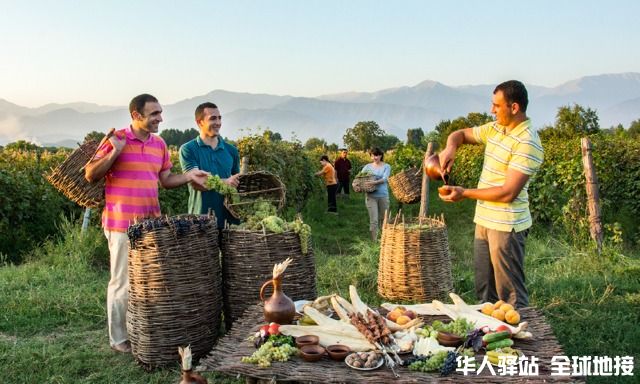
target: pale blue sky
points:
(108, 51)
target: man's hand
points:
(118, 141)
(446, 159)
(198, 179)
(450, 193)
(233, 181)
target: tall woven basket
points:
(175, 294)
(248, 258)
(415, 264)
(407, 185)
(255, 185)
(68, 177)
(359, 184)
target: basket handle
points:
(263, 287)
(104, 139)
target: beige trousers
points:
(376, 206)
(118, 288)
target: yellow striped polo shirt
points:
(519, 149)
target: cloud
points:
(11, 131)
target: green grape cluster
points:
(274, 224)
(215, 183)
(304, 232)
(432, 364)
(364, 174)
(268, 353)
(460, 326)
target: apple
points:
(410, 314)
(274, 329)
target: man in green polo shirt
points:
(209, 152)
(513, 154)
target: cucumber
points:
(499, 344)
(496, 336)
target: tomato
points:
(274, 329)
(503, 328)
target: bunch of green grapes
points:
(274, 224)
(460, 326)
(364, 174)
(268, 353)
(215, 183)
(304, 232)
(434, 363)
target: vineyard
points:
(53, 277)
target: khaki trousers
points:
(118, 288)
(376, 206)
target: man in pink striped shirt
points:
(132, 161)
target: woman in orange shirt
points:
(328, 173)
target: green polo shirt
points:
(223, 160)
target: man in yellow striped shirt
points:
(513, 154)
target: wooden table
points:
(225, 358)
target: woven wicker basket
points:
(415, 264)
(175, 294)
(248, 258)
(254, 185)
(359, 184)
(68, 177)
(407, 185)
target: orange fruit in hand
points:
(498, 314)
(443, 191)
(487, 308)
(506, 307)
(512, 317)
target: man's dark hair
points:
(200, 109)
(378, 152)
(138, 102)
(325, 158)
(514, 92)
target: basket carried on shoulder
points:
(415, 264)
(175, 294)
(407, 185)
(68, 177)
(248, 258)
(360, 184)
(252, 186)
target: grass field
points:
(53, 316)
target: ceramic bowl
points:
(312, 352)
(338, 351)
(449, 339)
(307, 340)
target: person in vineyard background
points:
(328, 174)
(132, 162)
(343, 168)
(377, 202)
(209, 152)
(513, 154)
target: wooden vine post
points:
(424, 197)
(244, 165)
(593, 196)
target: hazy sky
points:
(108, 51)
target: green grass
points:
(53, 316)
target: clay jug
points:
(190, 377)
(434, 171)
(279, 308)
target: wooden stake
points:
(593, 196)
(244, 164)
(424, 197)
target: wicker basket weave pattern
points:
(175, 295)
(359, 184)
(248, 258)
(254, 185)
(68, 177)
(415, 264)
(407, 185)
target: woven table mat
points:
(226, 355)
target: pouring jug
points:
(433, 169)
(279, 308)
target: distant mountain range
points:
(615, 97)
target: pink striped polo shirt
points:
(131, 185)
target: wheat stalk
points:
(279, 269)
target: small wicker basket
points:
(254, 185)
(247, 262)
(360, 184)
(407, 185)
(415, 264)
(175, 294)
(68, 177)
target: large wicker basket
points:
(415, 264)
(360, 184)
(248, 258)
(254, 185)
(175, 294)
(407, 185)
(68, 177)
